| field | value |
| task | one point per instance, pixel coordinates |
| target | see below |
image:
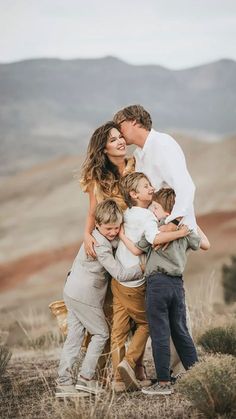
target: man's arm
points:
(115, 269)
(204, 243)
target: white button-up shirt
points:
(137, 221)
(163, 162)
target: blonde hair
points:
(166, 198)
(108, 212)
(134, 113)
(97, 167)
(130, 183)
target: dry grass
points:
(28, 391)
(28, 385)
(211, 386)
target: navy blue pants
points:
(166, 313)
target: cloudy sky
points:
(173, 33)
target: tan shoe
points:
(128, 376)
(145, 383)
(118, 386)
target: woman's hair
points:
(97, 167)
(130, 183)
(134, 113)
(108, 212)
(166, 198)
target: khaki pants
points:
(128, 303)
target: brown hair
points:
(108, 212)
(166, 198)
(97, 166)
(130, 183)
(134, 113)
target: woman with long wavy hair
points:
(105, 164)
(102, 169)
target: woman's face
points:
(116, 145)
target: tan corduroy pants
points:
(128, 304)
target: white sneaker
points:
(158, 390)
(89, 386)
(66, 391)
(128, 376)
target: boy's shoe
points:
(118, 386)
(128, 376)
(157, 389)
(175, 378)
(145, 383)
(66, 391)
(89, 386)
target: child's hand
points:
(183, 230)
(142, 266)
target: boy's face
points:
(158, 210)
(144, 191)
(109, 231)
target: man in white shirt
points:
(161, 158)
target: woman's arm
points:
(128, 243)
(89, 240)
(166, 237)
(204, 244)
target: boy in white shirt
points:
(129, 298)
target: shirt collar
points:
(141, 150)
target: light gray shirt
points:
(171, 261)
(88, 279)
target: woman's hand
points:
(89, 243)
(121, 232)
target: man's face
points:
(127, 129)
(109, 231)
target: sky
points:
(173, 33)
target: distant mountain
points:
(49, 107)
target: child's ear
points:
(133, 194)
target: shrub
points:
(210, 386)
(5, 356)
(229, 281)
(220, 340)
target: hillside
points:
(49, 107)
(44, 208)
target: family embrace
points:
(126, 282)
